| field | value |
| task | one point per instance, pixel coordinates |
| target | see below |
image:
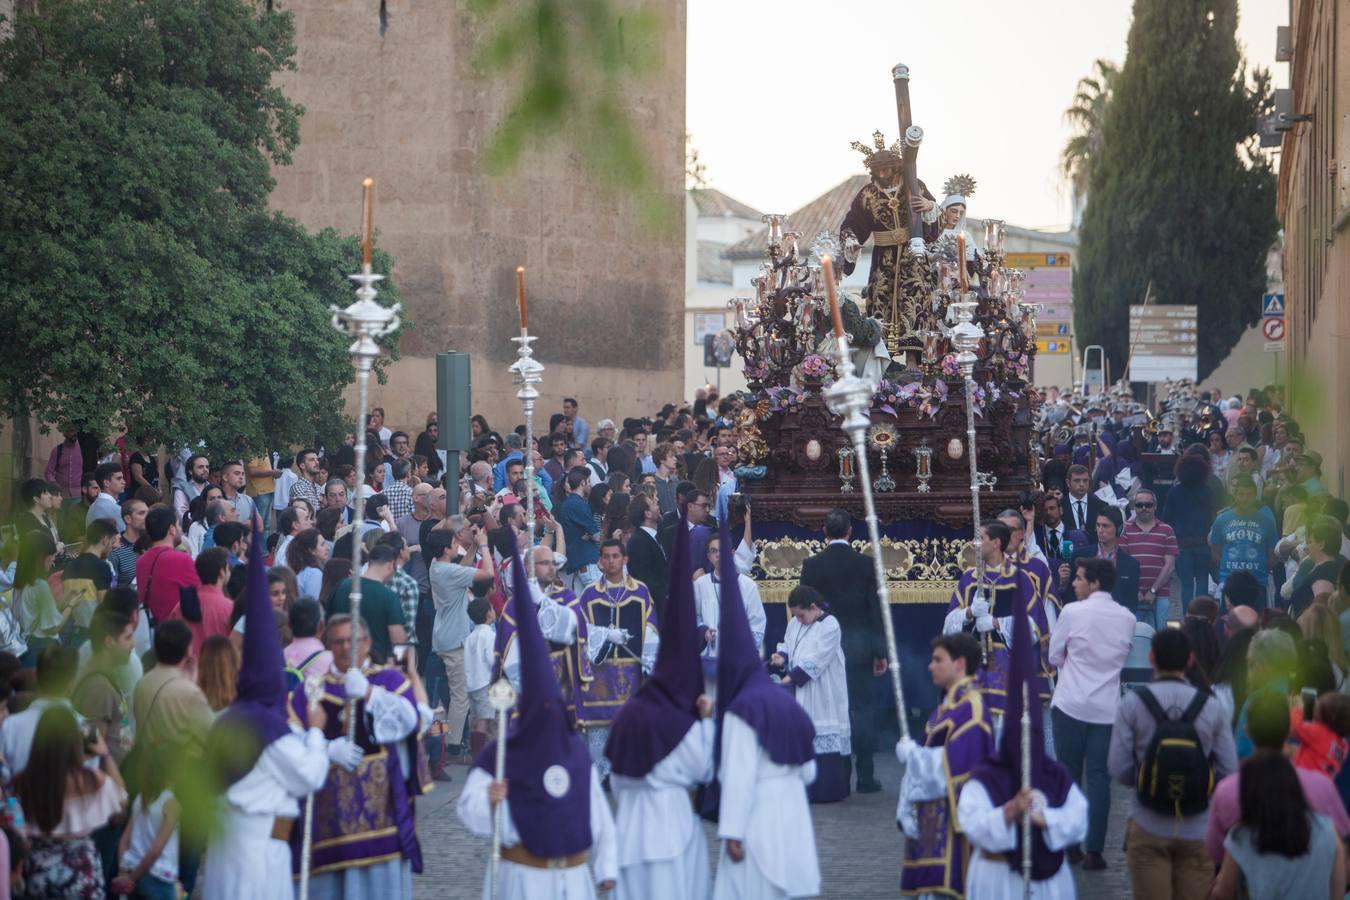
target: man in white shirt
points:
(111, 483)
(707, 604)
(1089, 645)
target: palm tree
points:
(1087, 115)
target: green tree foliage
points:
(146, 285)
(1180, 194)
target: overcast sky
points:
(777, 90)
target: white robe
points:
(662, 852)
(243, 862)
(708, 607)
(818, 651)
(515, 882)
(764, 806)
(983, 825)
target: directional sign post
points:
(1165, 342)
(1272, 322)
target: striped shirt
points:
(123, 560)
(1149, 547)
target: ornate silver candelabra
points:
(365, 321)
(923, 465)
(850, 397)
(529, 373)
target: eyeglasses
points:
(1144, 505)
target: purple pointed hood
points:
(1001, 774)
(743, 686)
(548, 766)
(654, 721)
(257, 717)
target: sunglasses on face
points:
(1144, 505)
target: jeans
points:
(1082, 747)
(1165, 868)
(1154, 614)
(263, 503)
(1193, 565)
(582, 578)
(148, 887)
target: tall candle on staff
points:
(367, 219)
(520, 298)
(961, 262)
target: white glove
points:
(984, 624)
(904, 748)
(345, 754)
(356, 684)
(619, 635)
(979, 607)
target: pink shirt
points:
(160, 572)
(216, 609)
(301, 649)
(1089, 645)
(1225, 809)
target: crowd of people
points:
(156, 608)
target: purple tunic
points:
(571, 663)
(1007, 586)
(364, 817)
(935, 861)
(618, 674)
(1043, 581)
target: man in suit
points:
(1081, 507)
(1051, 531)
(646, 557)
(1109, 524)
(847, 581)
(696, 504)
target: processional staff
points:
(850, 397)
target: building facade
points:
(1314, 209)
(409, 109)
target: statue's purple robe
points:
(935, 861)
(618, 674)
(367, 816)
(1006, 586)
(571, 664)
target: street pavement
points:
(857, 841)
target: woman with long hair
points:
(34, 603)
(194, 522)
(1204, 649)
(1279, 848)
(599, 501)
(426, 447)
(705, 477)
(218, 672)
(1190, 508)
(1229, 683)
(478, 426)
(305, 556)
(616, 524)
(333, 572)
(64, 803)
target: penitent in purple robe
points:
(618, 672)
(1043, 582)
(571, 664)
(960, 727)
(1004, 587)
(363, 817)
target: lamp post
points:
(365, 321)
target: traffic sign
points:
(1272, 305)
(1058, 346)
(1036, 260)
(1273, 329)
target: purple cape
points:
(1001, 774)
(257, 717)
(655, 719)
(784, 729)
(548, 766)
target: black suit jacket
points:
(1126, 591)
(647, 563)
(1094, 506)
(847, 581)
(1052, 552)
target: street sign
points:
(1273, 329)
(1052, 346)
(1036, 260)
(1163, 340)
(1052, 329)
(1272, 305)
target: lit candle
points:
(520, 298)
(827, 266)
(367, 219)
(961, 262)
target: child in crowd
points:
(1321, 745)
(811, 659)
(148, 852)
(478, 659)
